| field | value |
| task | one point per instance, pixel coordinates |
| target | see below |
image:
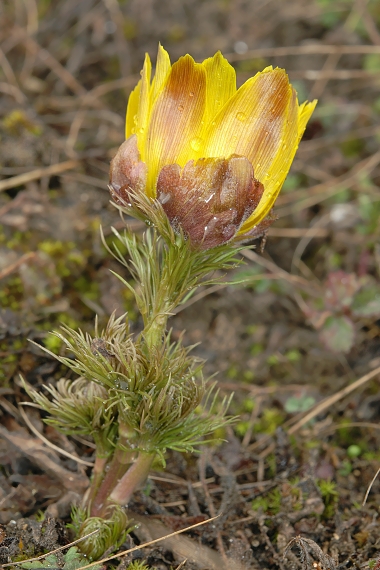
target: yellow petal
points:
(176, 118)
(305, 112)
(276, 171)
(279, 168)
(139, 106)
(162, 70)
(260, 122)
(251, 122)
(221, 84)
(132, 109)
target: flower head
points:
(215, 157)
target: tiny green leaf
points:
(338, 334)
(367, 302)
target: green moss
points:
(330, 497)
(17, 122)
(269, 503)
(11, 294)
(272, 360)
(256, 349)
(232, 372)
(293, 355)
(241, 428)
(87, 287)
(248, 376)
(249, 404)
(345, 468)
(68, 320)
(270, 420)
(138, 565)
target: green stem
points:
(117, 468)
(133, 478)
(155, 329)
(98, 475)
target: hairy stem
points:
(133, 478)
(155, 330)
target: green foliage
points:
(354, 451)
(136, 396)
(167, 271)
(153, 394)
(371, 62)
(296, 404)
(345, 300)
(111, 531)
(72, 560)
(269, 421)
(369, 210)
(330, 496)
(269, 503)
(137, 565)
(367, 302)
(338, 333)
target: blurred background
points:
(306, 324)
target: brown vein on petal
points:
(176, 116)
(273, 92)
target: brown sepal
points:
(209, 199)
(127, 172)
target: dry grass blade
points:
(268, 264)
(181, 565)
(328, 402)
(323, 191)
(216, 288)
(23, 259)
(370, 487)
(36, 174)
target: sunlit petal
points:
(304, 114)
(176, 118)
(252, 121)
(162, 71)
(132, 110)
(221, 84)
(295, 120)
(139, 107)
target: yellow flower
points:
(214, 156)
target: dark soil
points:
(67, 68)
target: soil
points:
(289, 482)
